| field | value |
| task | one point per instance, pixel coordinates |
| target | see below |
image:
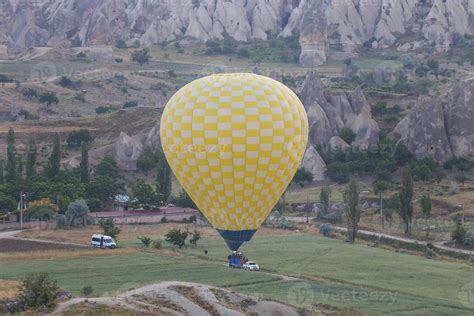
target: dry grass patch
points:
(60, 254)
(8, 289)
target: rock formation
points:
(329, 112)
(313, 163)
(326, 28)
(440, 128)
(127, 151)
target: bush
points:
(347, 135)
(38, 290)
(108, 225)
(338, 172)
(76, 138)
(303, 176)
(48, 98)
(177, 237)
(243, 53)
(40, 212)
(157, 244)
(87, 290)
(130, 104)
(103, 109)
(326, 230)
(120, 43)
(164, 220)
(146, 241)
(29, 93)
(66, 82)
(141, 56)
(459, 234)
(333, 217)
(195, 236)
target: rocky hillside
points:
(326, 28)
(441, 128)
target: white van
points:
(103, 241)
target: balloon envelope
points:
(234, 141)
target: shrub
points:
(66, 82)
(48, 98)
(29, 92)
(338, 172)
(141, 56)
(38, 290)
(108, 225)
(87, 290)
(41, 212)
(81, 55)
(28, 115)
(333, 217)
(164, 220)
(195, 236)
(177, 237)
(326, 230)
(146, 241)
(347, 135)
(157, 244)
(5, 79)
(76, 138)
(120, 43)
(103, 109)
(130, 104)
(118, 60)
(303, 176)
(80, 97)
(243, 53)
(459, 234)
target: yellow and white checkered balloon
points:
(234, 141)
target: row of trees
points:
(94, 185)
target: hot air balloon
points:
(234, 142)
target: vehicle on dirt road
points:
(103, 241)
(251, 266)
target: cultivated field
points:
(300, 268)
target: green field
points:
(363, 278)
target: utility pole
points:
(22, 196)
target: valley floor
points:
(326, 271)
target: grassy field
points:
(367, 279)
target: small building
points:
(119, 203)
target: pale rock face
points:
(328, 113)
(440, 128)
(313, 163)
(127, 151)
(326, 28)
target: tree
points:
(324, 197)
(84, 167)
(425, 203)
(184, 200)
(177, 237)
(141, 56)
(48, 98)
(2, 176)
(77, 212)
(120, 44)
(163, 177)
(54, 161)
(338, 171)
(352, 210)
(76, 138)
(146, 241)
(347, 135)
(144, 196)
(303, 176)
(7, 204)
(379, 188)
(20, 167)
(103, 188)
(31, 159)
(402, 155)
(107, 168)
(108, 225)
(11, 175)
(459, 234)
(38, 290)
(130, 104)
(148, 160)
(195, 236)
(405, 211)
